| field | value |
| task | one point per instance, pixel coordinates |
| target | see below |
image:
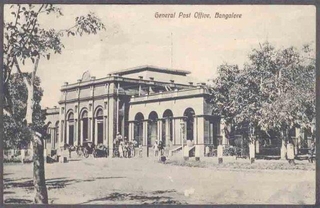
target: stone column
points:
(174, 131)
(131, 131)
(159, 124)
(105, 141)
(222, 132)
(145, 133)
(81, 132)
(220, 153)
(200, 135)
(298, 140)
(90, 129)
(257, 146)
(167, 133)
(145, 151)
(75, 136)
(252, 152)
(23, 155)
(61, 135)
(283, 150)
(95, 137)
(52, 135)
(211, 132)
(67, 132)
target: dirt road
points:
(144, 181)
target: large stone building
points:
(144, 104)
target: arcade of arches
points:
(174, 130)
(87, 129)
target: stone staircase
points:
(175, 150)
(178, 150)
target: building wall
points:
(75, 99)
(177, 106)
(159, 76)
(53, 119)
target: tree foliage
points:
(26, 40)
(275, 89)
(16, 132)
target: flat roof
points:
(150, 68)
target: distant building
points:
(144, 104)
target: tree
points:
(275, 90)
(25, 39)
(223, 104)
(16, 134)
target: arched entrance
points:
(152, 128)
(189, 119)
(167, 129)
(70, 126)
(99, 126)
(84, 130)
(138, 128)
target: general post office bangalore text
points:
(197, 15)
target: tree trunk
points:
(39, 181)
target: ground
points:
(146, 181)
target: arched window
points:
(152, 128)
(70, 128)
(138, 128)
(98, 129)
(56, 137)
(167, 126)
(84, 126)
(189, 118)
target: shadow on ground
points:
(17, 201)
(53, 183)
(143, 198)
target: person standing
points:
(121, 149)
(125, 148)
(207, 151)
(312, 152)
(156, 148)
(290, 153)
(116, 144)
(161, 150)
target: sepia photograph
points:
(114, 104)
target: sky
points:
(134, 37)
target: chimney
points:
(66, 83)
(79, 80)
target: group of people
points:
(158, 148)
(122, 147)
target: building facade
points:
(144, 104)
